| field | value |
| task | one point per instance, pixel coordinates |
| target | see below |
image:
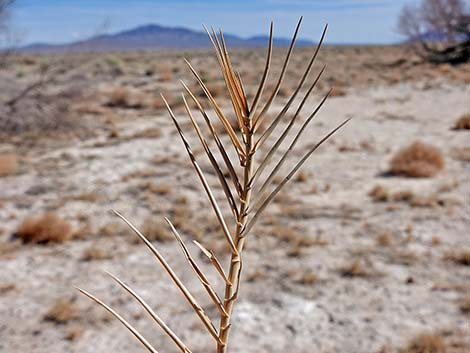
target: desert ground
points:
(353, 256)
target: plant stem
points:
(232, 288)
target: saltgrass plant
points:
(247, 188)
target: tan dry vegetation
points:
(96, 252)
(44, 229)
(62, 312)
(426, 343)
(156, 229)
(379, 194)
(384, 239)
(338, 91)
(418, 160)
(8, 164)
(464, 304)
(119, 97)
(123, 97)
(463, 123)
(307, 277)
(460, 257)
(356, 268)
(159, 189)
(6, 288)
(74, 332)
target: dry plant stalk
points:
(247, 194)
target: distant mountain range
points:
(155, 37)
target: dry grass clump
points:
(257, 275)
(7, 288)
(379, 194)
(139, 173)
(464, 305)
(460, 257)
(165, 73)
(112, 229)
(308, 277)
(175, 100)
(217, 89)
(123, 97)
(384, 239)
(426, 343)
(95, 252)
(44, 229)
(156, 229)
(8, 164)
(295, 237)
(74, 332)
(62, 312)
(354, 269)
(463, 123)
(86, 197)
(150, 133)
(8, 249)
(418, 160)
(403, 196)
(120, 97)
(403, 257)
(302, 177)
(159, 189)
(338, 92)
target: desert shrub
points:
(156, 229)
(6, 288)
(384, 239)
(152, 132)
(463, 123)
(403, 196)
(418, 160)
(62, 312)
(159, 189)
(308, 277)
(379, 194)
(8, 164)
(425, 343)
(119, 97)
(43, 112)
(165, 73)
(74, 332)
(302, 177)
(460, 257)
(46, 228)
(217, 89)
(95, 252)
(354, 269)
(338, 92)
(464, 305)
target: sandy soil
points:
(366, 276)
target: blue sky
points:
(351, 21)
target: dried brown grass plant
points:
(247, 187)
(44, 229)
(418, 160)
(463, 123)
(8, 164)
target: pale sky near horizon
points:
(350, 21)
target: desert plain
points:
(351, 257)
